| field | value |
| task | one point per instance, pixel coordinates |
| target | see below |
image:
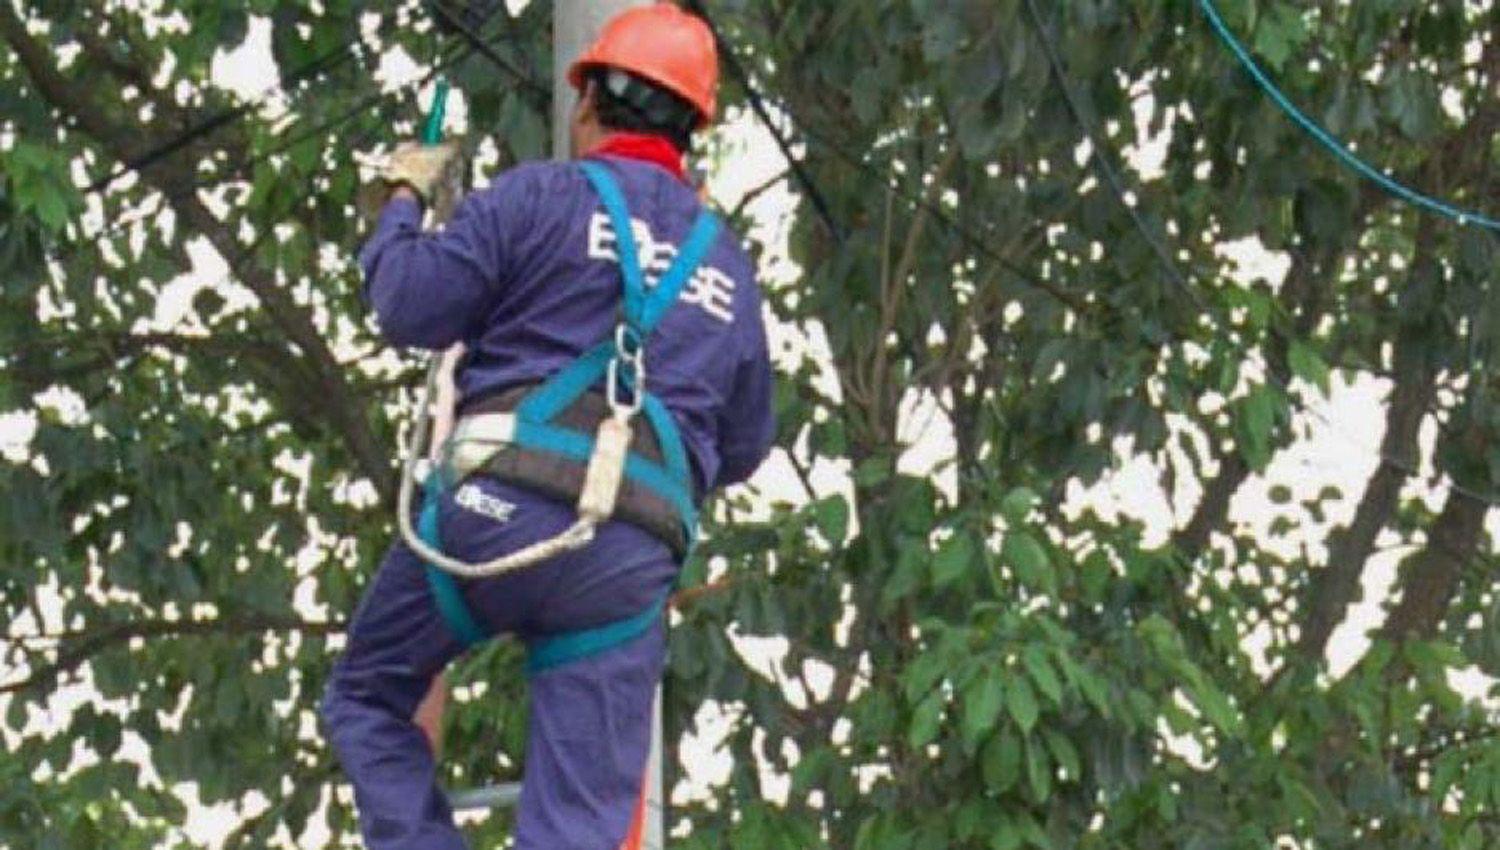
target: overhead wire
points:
(455, 54)
(242, 168)
(1116, 184)
(758, 105)
(454, 22)
(1113, 179)
(1329, 142)
(974, 240)
(327, 61)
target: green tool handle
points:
(432, 129)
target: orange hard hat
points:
(662, 44)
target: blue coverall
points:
(525, 276)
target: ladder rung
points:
(488, 797)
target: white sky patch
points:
(250, 68)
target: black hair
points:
(627, 102)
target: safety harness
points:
(648, 479)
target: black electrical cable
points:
(242, 168)
(757, 103)
(1116, 184)
(324, 62)
(1112, 178)
(450, 21)
(1101, 159)
(352, 112)
(975, 241)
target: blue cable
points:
(1337, 148)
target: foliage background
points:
(974, 655)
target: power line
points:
(1112, 178)
(450, 21)
(975, 240)
(327, 61)
(353, 111)
(242, 168)
(757, 103)
(1340, 150)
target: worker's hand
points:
(434, 172)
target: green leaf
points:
(981, 705)
(1307, 365)
(1038, 771)
(831, 514)
(1035, 659)
(1020, 701)
(1027, 557)
(1215, 706)
(1065, 754)
(1001, 761)
(924, 672)
(1006, 836)
(955, 558)
(1255, 418)
(926, 720)
(52, 210)
(1017, 505)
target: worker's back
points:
(567, 514)
(543, 244)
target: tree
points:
(973, 658)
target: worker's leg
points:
(586, 748)
(590, 720)
(397, 643)
(429, 714)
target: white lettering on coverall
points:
(709, 288)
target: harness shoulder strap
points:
(644, 311)
(625, 248)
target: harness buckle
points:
(630, 352)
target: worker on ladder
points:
(616, 372)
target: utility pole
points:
(575, 25)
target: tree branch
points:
(1431, 577)
(340, 405)
(80, 648)
(1337, 585)
(1302, 288)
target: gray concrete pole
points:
(575, 24)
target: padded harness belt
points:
(484, 442)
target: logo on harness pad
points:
(471, 498)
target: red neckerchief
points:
(644, 147)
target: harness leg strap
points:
(557, 650)
(446, 594)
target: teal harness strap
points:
(555, 651)
(445, 591)
(675, 457)
(642, 310)
(625, 248)
(579, 447)
(561, 389)
(695, 248)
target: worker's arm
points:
(747, 424)
(427, 287)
